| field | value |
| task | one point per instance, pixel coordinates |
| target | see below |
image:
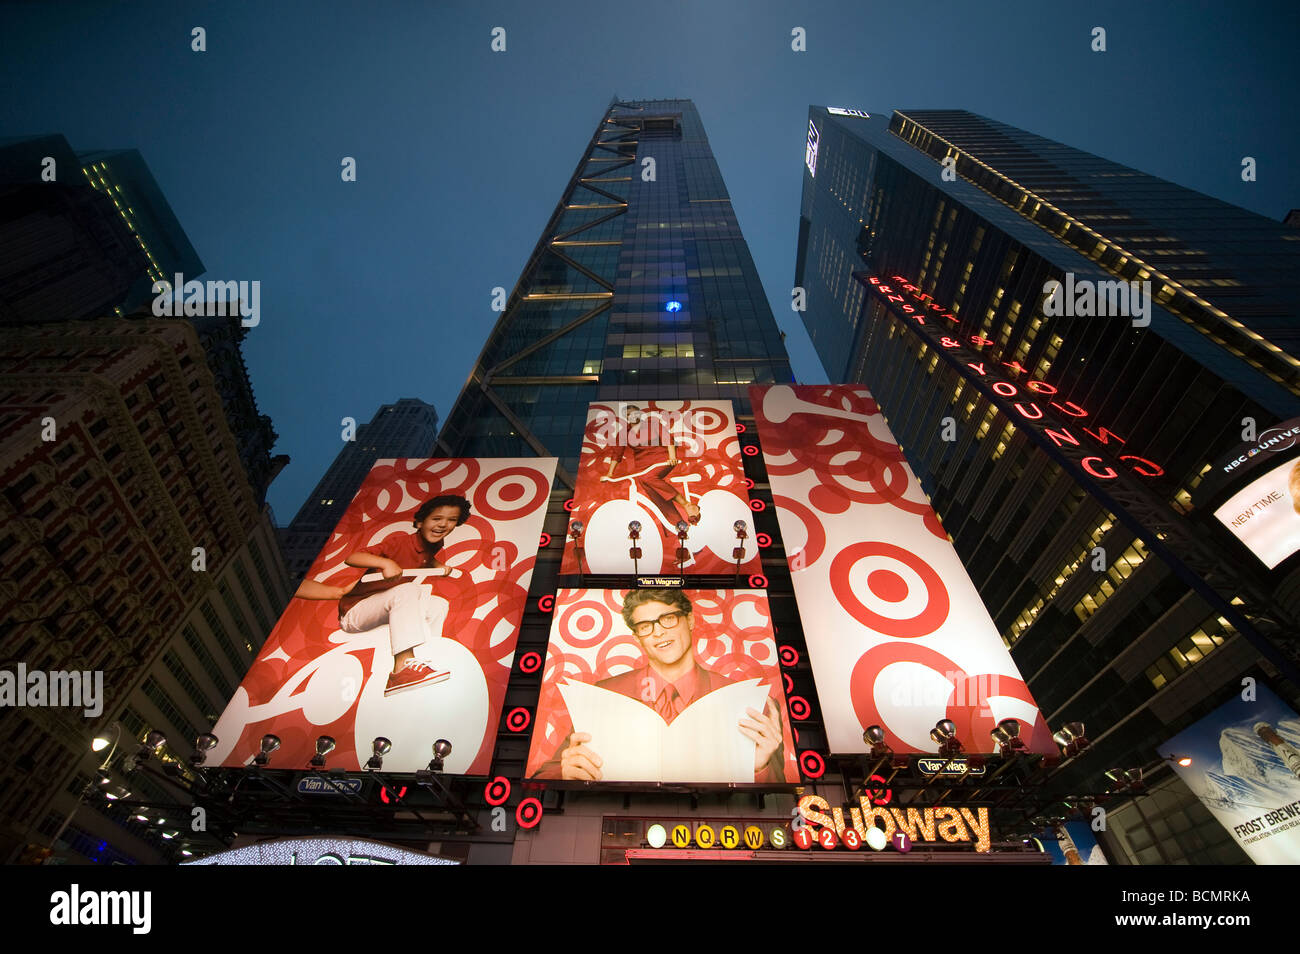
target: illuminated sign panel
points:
(321, 851)
(405, 626)
(839, 111)
(931, 823)
(897, 635)
(1265, 514)
(662, 685)
(660, 464)
(810, 156)
(1244, 766)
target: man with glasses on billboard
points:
(668, 680)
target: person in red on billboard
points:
(412, 612)
(669, 679)
(649, 464)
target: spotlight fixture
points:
(269, 744)
(634, 534)
(634, 530)
(1007, 735)
(380, 747)
(741, 528)
(944, 734)
(874, 736)
(441, 749)
(324, 746)
(106, 738)
(1071, 739)
(153, 742)
(202, 745)
(575, 530)
(1185, 761)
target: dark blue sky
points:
(379, 289)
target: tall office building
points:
(85, 234)
(640, 286)
(133, 547)
(408, 428)
(926, 242)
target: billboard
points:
(1245, 768)
(662, 685)
(897, 635)
(660, 464)
(1265, 514)
(405, 626)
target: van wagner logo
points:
(194, 299)
(1085, 298)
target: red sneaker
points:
(414, 673)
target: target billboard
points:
(897, 634)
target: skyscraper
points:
(927, 243)
(640, 286)
(405, 429)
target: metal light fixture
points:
(324, 746)
(1071, 739)
(634, 534)
(441, 749)
(575, 530)
(269, 744)
(153, 742)
(380, 747)
(1007, 735)
(944, 734)
(202, 745)
(106, 738)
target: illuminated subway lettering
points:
(934, 823)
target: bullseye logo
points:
(397, 795)
(546, 603)
(545, 541)
(750, 450)
(882, 794)
(811, 764)
(529, 813)
(529, 663)
(569, 505)
(757, 506)
(518, 719)
(799, 707)
(758, 582)
(789, 656)
(749, 484)
(740, 428)
(764, 540)
(497, 791)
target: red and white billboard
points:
(405, 627)
(897, 634)
(1265, 514)
(664, 465)
(662, 685)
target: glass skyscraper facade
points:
(641, 286)
(1155, 633)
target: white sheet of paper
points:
(704, 743)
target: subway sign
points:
(936, 824)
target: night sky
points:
(379, 289)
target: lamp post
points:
(98, 744)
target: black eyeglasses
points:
(647, 626)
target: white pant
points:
(412, 613)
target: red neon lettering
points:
(1061, 437)
(1077, 412)
(953, 318)
(874, 280)
(981, 340)
(1040, 387)
(893, 297)
(925, 297)
(947, 342)
(1015, 366)
(900, 278)
(1158, 472)
(1032, 417)
(936, 307)
(999, 385)
(1108, 475)
(909, 309)
(979, 368)
(1102, 435)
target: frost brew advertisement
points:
(661, 464)
(405, 627)
(897, 635)
(1245, 768)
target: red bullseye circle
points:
(789, 683)
(887, 585)
(799, 707)
(517, 720)
(740, 428)
(514, 483)
(750, 450)
(789, 656)
(923, 623)
(882, 795)
(545, 540)
(757, 581)
(530, 662)
(497, 791)
(811, 764)
(546, 604)
(763, 540)
(569, 505)
(757, 506)
(749, 484)
(529, 813)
